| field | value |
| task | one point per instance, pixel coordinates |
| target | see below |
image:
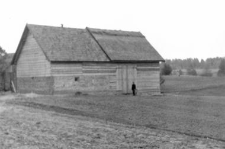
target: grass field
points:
(191, 106)
(211, 86)
(43, 127)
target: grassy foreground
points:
(211, 86)
(199, 116)
(26, 127)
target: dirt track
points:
(24, 127)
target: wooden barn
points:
(53, 60)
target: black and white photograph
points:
(121, 74)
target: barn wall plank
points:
(148, 77)
(89, 77)
(32, 61)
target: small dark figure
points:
(133, 89)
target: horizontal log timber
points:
(148, 69)
(100, 67)
(148, 85)
(99, 71)
(150, 75)
(147, 64)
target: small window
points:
(76, 79)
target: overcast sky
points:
(176, 28)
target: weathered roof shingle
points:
(126, 46)
(67, 44)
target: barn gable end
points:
(33, 69)
(32, 62)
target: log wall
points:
(85, 77)
(90, 77)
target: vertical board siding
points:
(126, 75)
(148, 77)
(32, 61)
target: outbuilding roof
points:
(71, 44)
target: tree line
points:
(211, 63)
(191, 64)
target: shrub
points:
(166, 69)
(180, 72)
(191, 71)
(78, 93)
(206, 73)
(221, 71)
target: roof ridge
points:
(117, 32)
(49, 26)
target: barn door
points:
(127, 75)
(131, 70)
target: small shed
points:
(53, 60)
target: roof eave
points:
(112, 61)
(20, 46)
(138, 61)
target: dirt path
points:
(2, 102)
(24, 127)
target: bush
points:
(180, 72)
(191, 71)
(221, 71)
(166, 69)
(206, 74)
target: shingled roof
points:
(123, 45)
(70, 44)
